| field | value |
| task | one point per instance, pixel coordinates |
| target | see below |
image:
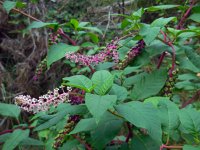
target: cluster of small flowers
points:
(59, 139)
(170, 83)
(54, 38)
(110, 52)
(43, 103)
(76, 99)
(132, 53)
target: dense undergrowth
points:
(135, 87)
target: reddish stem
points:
(161, 59)
(130, 133)
(82, 142)
(171, 147)
(92, 70)
(180, 25)
(194, 98)
(69, 39)
(11, 130)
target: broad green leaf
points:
(156, 100)
(133, 79)
(185, 63)
(9, 110)
(149, 33)
(169, 116)
(187, 85)
(59, 116)
(190, 121)
(105, 65)
(97, 105)
(191, 147)
(79, 81)
(103, 81)
(108, 128)
(37, 24)
(95, 29)
(120, 91)
(149, 84)
(83, 24)
(4, 137)
(16, 137)
(188, 76)
(161, 22)
(58, 51)
(195, 17)
(193, 57)
(160, 7)
(84, 125)
(144, 143)
(75, 23)
(31, 141)
(143, 116)
(8, 5)
(129, 70)
(63, 110)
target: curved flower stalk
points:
(43, 103)
(60, 138)
(110, 52)
(132, 53)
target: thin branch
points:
(11, 130)
(114, 113)
(161, 59)
(190, 101)
(130, 132)
(171, 147)
(184, 17)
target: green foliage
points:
(103, 81)
(15, 138)
(97, 105)
(8, 5)
(9, 110)
(58, 51)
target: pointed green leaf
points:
(79, 81)
(16, 137)
(169, 115)
(31, 141)
(58, 51)
(8, 5)
(40, 24)
(108, 128)
(144, 143)
(193, 57)
(149, 33)
(143, 116)
(149, 84)
(84, 125)
(161, 22)
(97, 105)
(9, 110)
(190, 120)
(120, 91)
(103, 81)
(160, 7)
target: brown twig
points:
(161, 59)
(194, 98)
(82, 142)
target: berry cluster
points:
(110, 52)
(131, 54)
(60, 138)
(41, 68)
(43, 103)
(170, 83)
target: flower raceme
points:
(110, 52)
(43, 103)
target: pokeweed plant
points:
(133, 95)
